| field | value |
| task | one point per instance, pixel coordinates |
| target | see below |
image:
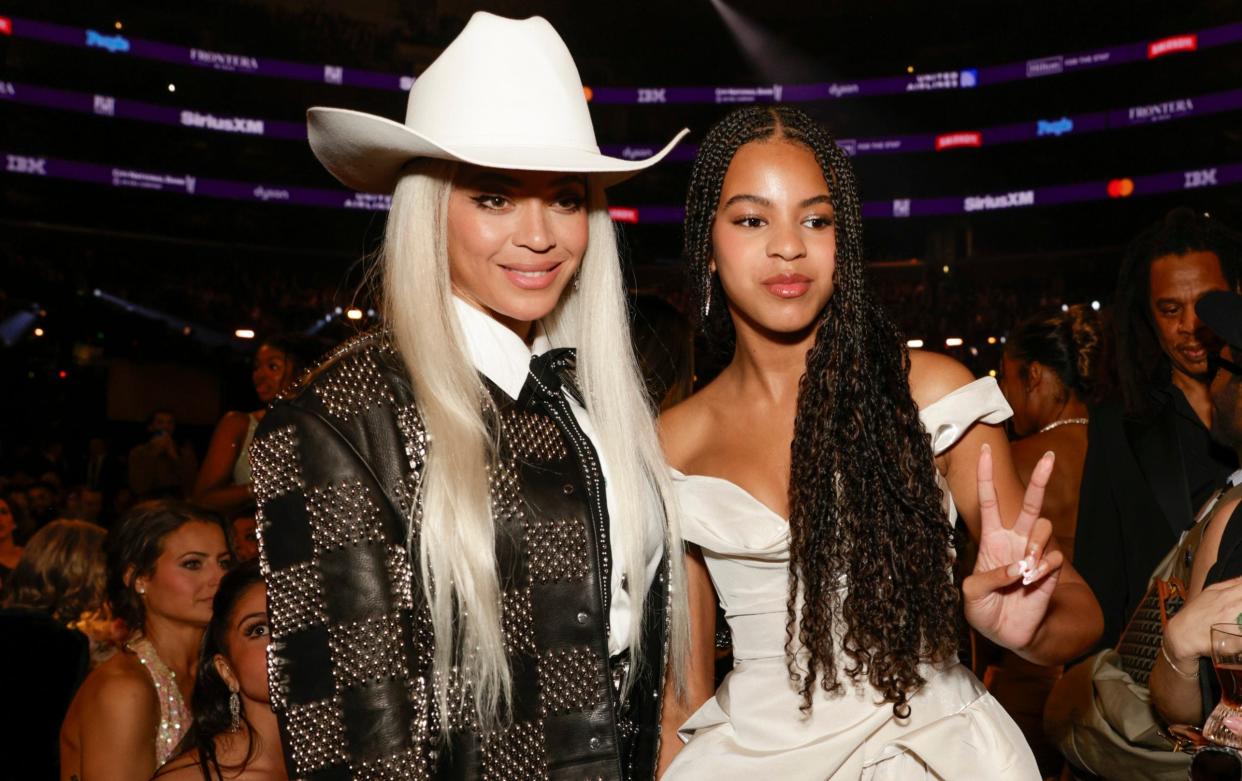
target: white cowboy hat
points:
(504, 94)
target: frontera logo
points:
(1054, 127)
(112, 43)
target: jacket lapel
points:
(1155, 446)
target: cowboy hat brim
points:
(367, 152)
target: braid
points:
(865, 509)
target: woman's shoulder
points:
(119, 687)
(934, 376)
(685, 428)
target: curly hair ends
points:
(870, 545)
(1068, 342)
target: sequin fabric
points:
(175, 716)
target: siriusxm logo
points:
(112, 43)
(1054, 127)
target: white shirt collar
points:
(498, 353)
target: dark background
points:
(223, 265)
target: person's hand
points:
(1007, 596)
(1189, 633)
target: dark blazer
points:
(1133, 505)
(337, 465)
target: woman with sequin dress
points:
(165, 561)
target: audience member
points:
(245, 537)
(1048, 375)
(1150, 459)
(224, 482)
(165, 561)
(43, 502)
(59, 579)
(10, 551)
(161, 467)
(19, 506)
(234, 728)
(102, 471)
(1182, 683)
(84, 504)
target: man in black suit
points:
(1150, 457)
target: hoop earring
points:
(234, 712)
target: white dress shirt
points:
(500, 355)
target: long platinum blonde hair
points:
(455, 540)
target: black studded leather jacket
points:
(336, 465)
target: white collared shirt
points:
(500, 355)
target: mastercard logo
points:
(589, 93)
(1120, 188)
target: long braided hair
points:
(870, 545)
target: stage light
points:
(172, 87)
(244, 333)
(915, 343)
(187, 330)
(354, 314)
(953, 341)
(38, 332)
(774, 57)
(62, 374)
(1064, 307)
(945, 268)
(1095, 305)
(909, 69)
(991, 340)
(118, 24)
(991, 372)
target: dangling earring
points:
(707, 297)
(577, 280)
(234, 712)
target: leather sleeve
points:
(1099, 550)
(332, 550)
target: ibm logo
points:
(652, 96)
(20, 164)
(1202, 178)
(105, 105)
(333, 74)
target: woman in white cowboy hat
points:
(462, 523)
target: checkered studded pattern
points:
(568, 680)
(557, 548)
(516, 753)
(295, 599)
(315, 734)
(343, 514)
(338, 464)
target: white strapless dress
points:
(753, 729)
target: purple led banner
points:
(959, 79)
(188, 184)
(1030, 130)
